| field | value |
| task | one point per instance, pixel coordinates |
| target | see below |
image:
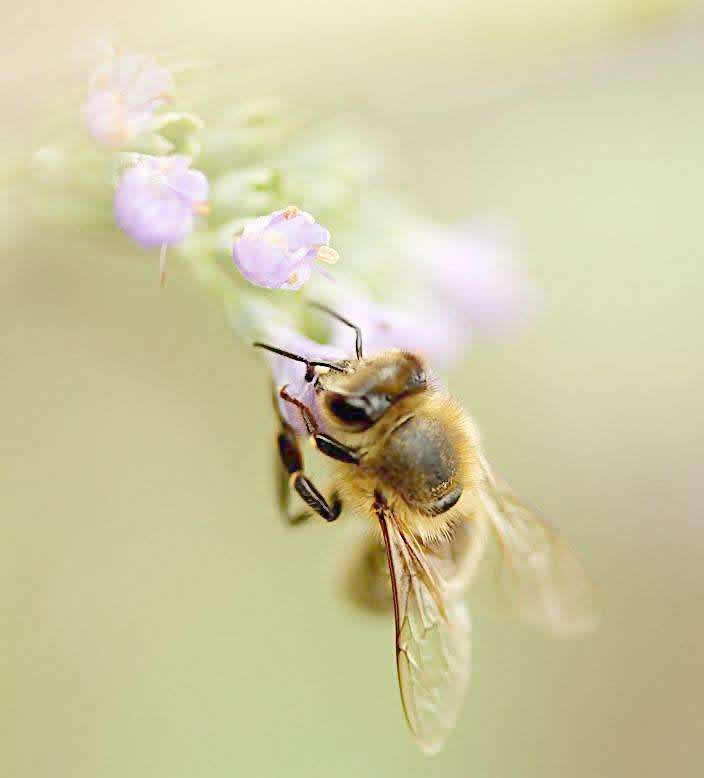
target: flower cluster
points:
(457, 286)
(156, 197)
(221, 195)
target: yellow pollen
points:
(291, 212)
(202, 208)
(326, 254)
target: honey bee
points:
(407, 455)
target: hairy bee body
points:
(407, 456)
(420, 455)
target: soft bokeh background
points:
(156, 619)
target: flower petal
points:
(191, 184)
(289, 373)
(155, 206)
(261, 263)
(278, 251)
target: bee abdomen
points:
(444, 503)
(421, 464)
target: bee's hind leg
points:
(292, 459)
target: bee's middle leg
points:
(283, 496)
(292, 460)
(288, 456)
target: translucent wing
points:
(433, 647)
(544, 580)
(365, 574)
(465, 551)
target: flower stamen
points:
(162, 264)
(327, 255)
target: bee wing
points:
(433, 635)
(544, 580)
(366, 582)
(466, 550)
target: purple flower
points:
(125, 92)
(422, 326)
(278, 251)
(469, 272)
(156, 200)
(291, 374)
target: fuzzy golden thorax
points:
(417, 447)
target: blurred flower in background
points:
(156, 200)
(470, 272)
(126, 91)
(421, 325)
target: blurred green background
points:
(156, 618)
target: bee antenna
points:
(335, 315)
(310, 364)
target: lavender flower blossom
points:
(126, 91)
(469, 273)
(156, 200)
(291, 374)
(423, 327)
(278, 251)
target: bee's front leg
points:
(334, 449)
(324, 443)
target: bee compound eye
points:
(352, 410)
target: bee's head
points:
(357, 399)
